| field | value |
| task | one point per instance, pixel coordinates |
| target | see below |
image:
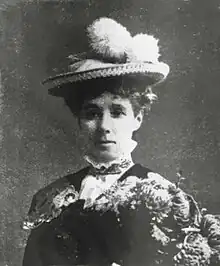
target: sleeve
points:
(45, 245)
(32, 254)
(45, 227)
(34, 223)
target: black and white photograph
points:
(110, 133)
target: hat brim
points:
(149, 73)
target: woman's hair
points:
(140, 96)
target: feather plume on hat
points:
(109, 39)
(145, 48)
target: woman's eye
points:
(117, 113)
(90, 114)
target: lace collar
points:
(117, 166)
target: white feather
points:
(109, 38)
(144, 48)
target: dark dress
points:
(143, 226)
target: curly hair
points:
(140, 95)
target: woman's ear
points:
(138, 120)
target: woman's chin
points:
(106, 156)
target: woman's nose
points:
(106, 123)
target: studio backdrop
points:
(39, 138)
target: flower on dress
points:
(66, 197)
(159, 235)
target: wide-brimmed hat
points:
(114, 53)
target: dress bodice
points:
(107, 236)
(141, 220)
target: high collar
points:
(116, 166)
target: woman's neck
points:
(107, 163)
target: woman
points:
(116, 212)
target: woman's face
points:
(107, 124)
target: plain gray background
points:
(38, 135)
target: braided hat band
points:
(154, 74)
(113, 53)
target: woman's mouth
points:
(105, 142)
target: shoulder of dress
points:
(156, 178)
(49, 202)
(149, 176)
(155, 181)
